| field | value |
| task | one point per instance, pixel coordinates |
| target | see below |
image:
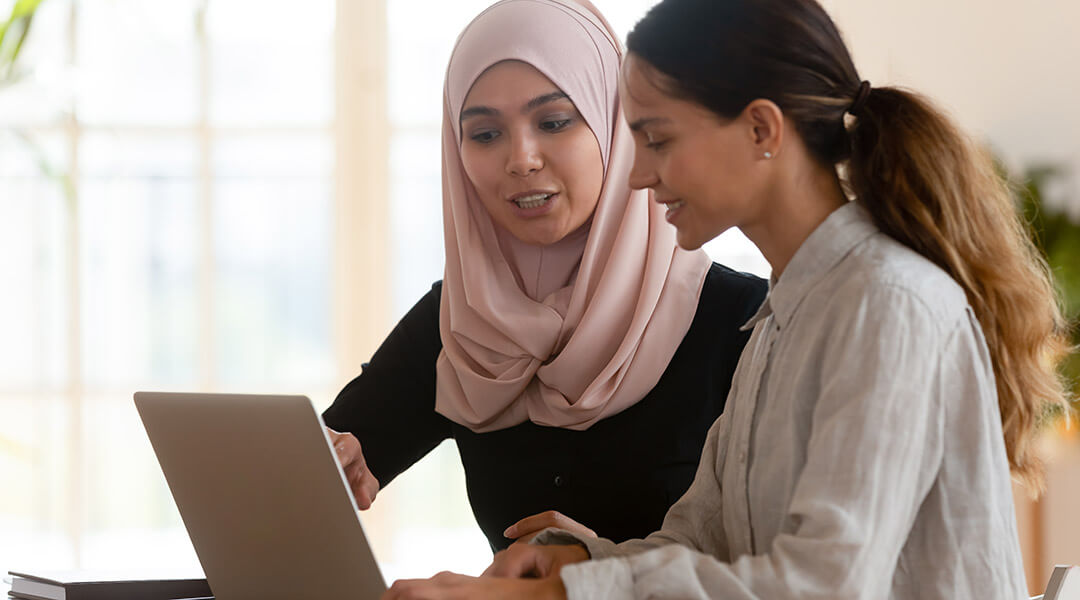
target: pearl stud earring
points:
(768, 155)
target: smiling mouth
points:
(533, 200)
(673, 206)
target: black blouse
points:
(618, 477)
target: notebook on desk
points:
(106, 585)
(262, 496)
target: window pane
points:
(118, 456)
(255, 85)
(139, 281)
(131, 100)
(33, 217)
(155, 549)
(263, 155)
(418, 52)
(32, 153)
(415, 216)
(34, 452)
(131, 518)
(272, 282)
(139, 253)
(278, 72)
(104, 156)
(279, 21)
(136, 62)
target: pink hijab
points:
(567, 334)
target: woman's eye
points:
(653, 141)
(484, 137)
(554, 124)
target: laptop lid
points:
(262, 496)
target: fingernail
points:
(509, 533)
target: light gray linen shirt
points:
(860, 454)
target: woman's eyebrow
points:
(541, 100)
(474, 111)
(487, 111)
(643, 123)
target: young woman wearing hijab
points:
(898, 367)
(575, 355)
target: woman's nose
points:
(641, 176)
(525, 157)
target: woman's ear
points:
(765, 123)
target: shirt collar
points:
(826, 246)
(763, 311)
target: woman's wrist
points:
(569, 554)
(552, 588)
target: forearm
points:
(599, 548)
(668, 572)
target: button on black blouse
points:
(618, 477)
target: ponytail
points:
(928, 186)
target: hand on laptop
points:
(451, 586)
(534, 561)
(363, 483)
(527, 528)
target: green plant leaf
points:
(18, 24)
(25, 8)
(1057, 237)
(22, 37)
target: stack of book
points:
(85, 585)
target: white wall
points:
(1008, 71)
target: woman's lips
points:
(673, 207)
(534, 204)
(533, 200)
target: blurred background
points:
(244, 196)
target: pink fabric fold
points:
(571, 333)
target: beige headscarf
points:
(567, 334)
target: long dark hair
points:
(924, 182)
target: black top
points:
(618, 477)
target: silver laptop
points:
(262, 496)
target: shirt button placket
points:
(747, 423)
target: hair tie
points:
(860, 98)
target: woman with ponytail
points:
(899, 365)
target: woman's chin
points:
(539, 232)
(536, 237)
(688, 240)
